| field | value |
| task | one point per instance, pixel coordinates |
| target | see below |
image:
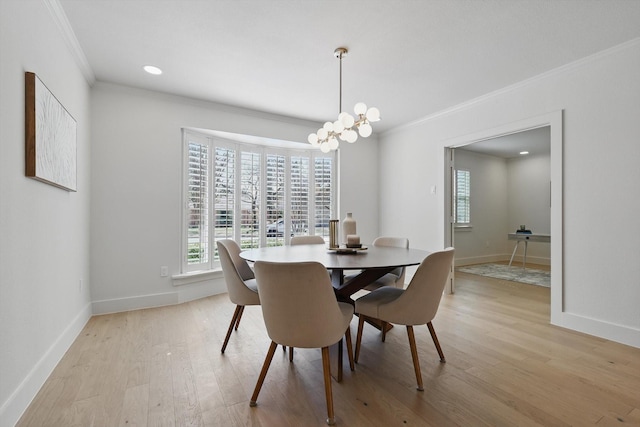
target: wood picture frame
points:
(50, 137)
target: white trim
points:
(516, 86)
(60, 18)
(13, 408)
(599, 328)
(554, 120)
(202, 289)
(196, 276)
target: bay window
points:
(255, 193)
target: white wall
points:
(528, 183)
(485, 240)
(600, 99)
(44, 243)
(136, 182)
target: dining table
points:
(368, 262)
(371, 262)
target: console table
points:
(526, 238)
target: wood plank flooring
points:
(506, 366)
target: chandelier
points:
(345, 127)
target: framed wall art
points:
(50, 137)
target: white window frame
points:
(264, 149)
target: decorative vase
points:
(348, 226)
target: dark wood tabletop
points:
(374, 262)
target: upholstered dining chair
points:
(395, 277)
(300, 310)
(307, 240)
(240, 280)
(415, 305)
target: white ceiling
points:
(535, 141)
(409, 58)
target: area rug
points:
(514, 273)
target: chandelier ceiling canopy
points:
(347, 127)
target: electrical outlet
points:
(164, 271)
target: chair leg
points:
(350, 348)
(436, 342)
(384, 330)
(414, 355)
(234, 319)
(290, 354)
(359, 337)
(263, 373)
(239, 316)
(326, 368)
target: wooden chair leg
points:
(290, 354)
(263, 373)
(239, 316)
(436, 342)
(414, 355)
(350, 348)
(326, 369)
(340, 356)
(234, 319)
(384, 330)
(359, 337)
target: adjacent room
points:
(172, 171)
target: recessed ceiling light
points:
(524, 152)
(152, 70)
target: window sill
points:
(196, 276)
(466, 227)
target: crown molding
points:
(60, 18)
(511, 88)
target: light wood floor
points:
(506, 366)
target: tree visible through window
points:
(258, 195)
(463, 195)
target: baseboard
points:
(459, 262)
(606, 330)
(185, 293)
(13, 408)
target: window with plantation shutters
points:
(224, 193)
(275, 199)
(463, 197)
(323, 194)
(300, 188)
(255, 193)
(197, 204)
(250, 166)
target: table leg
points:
(514, 252)
(524, 262)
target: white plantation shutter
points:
(242, 191)
(275, 198)
(225, 194)
(250, 166)
(198, 204)
(323, 190)
(463, 197)
(299, 184)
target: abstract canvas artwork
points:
(50, 137)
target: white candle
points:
(353, 239)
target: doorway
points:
(554, 123)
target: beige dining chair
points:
(307, 240)
(300, 310)
(415, 305)
(395, 277)
(240, 280)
